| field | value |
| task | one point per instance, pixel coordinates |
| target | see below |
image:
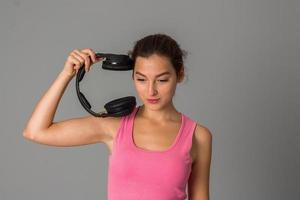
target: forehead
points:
(153, 65)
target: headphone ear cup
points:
(117, 62)
(122, 66)
(120, 107)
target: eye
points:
(164, 80)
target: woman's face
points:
(155, 78)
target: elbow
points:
(28, 135)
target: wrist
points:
(66, 75)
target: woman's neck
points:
(162, 115)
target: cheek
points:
(166, 88)
(140, 88)
(170, 88)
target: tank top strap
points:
(186, 139)
(122, 140)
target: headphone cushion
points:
(121, 106)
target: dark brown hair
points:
(160, 44)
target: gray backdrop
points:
(243, 84)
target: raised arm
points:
(74, 132)
(40, 126)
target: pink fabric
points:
(140, 174)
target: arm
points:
(72, 132)
(198, 184)
(43, 114)
(41, 128)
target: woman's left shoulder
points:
(202, 134)
(202, 142)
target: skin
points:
(161, 120)
(166, 119)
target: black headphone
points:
(115, 108)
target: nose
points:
(152, 89)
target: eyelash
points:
(159, 80)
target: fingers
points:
(75, 61)
(83, 58)
(91, 53)
(87, 55)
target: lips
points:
(153, 101)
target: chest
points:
(151, 136)
(154, 137)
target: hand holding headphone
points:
(117, 107)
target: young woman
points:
(156, 151)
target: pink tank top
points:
(140, 174)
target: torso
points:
(154, 138)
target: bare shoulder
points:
(109, 124)
(202, 139)
(202, 135)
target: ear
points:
(181, 75)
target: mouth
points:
(152, 100)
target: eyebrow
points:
(164, 73)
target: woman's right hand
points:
(79, 57)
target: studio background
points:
(242, 83)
